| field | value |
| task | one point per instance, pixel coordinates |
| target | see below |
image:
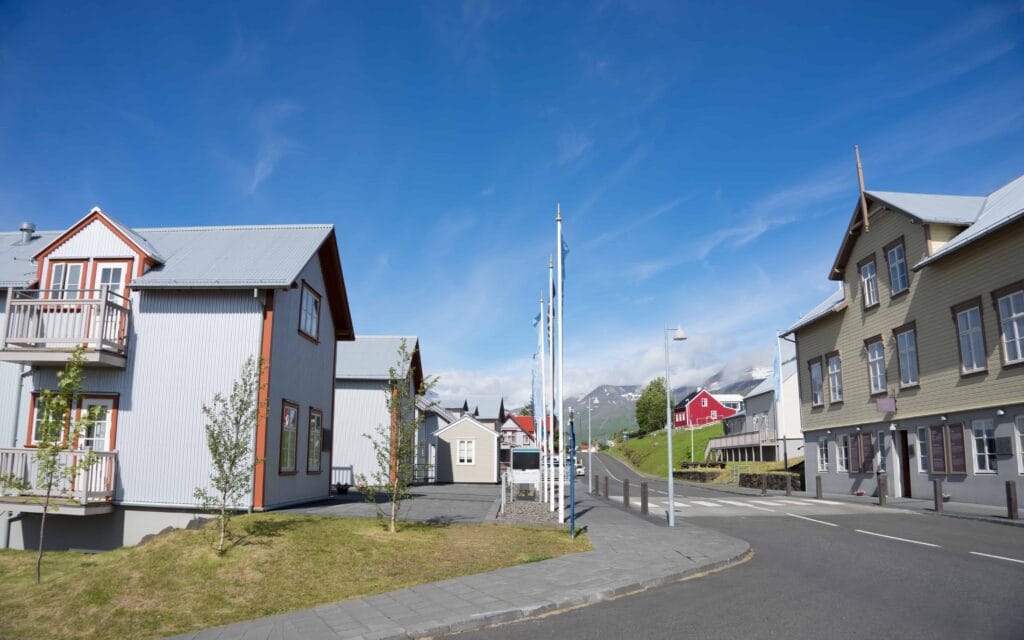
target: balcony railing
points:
(92, 485)
(44, 325)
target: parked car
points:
(581, 470)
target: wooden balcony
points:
(42, 326)
(89, 492)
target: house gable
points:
(467, 420)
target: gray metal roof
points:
(934, 208)
(16, 266)
(488, 406)
(372, 357)
(768, 384)
(231, 257)
(142, 243)
(1002, 206)
(829, 304)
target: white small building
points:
(467, 452)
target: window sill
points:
(1013, 365)
(968, 374)
(908, 387)
(839, 401)
(287, 473)
(872, 307)
(818, 406)
(900, 294)
(986, 473)
(879, 393)
(308, 337)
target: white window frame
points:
(703, 402)
(817, 388)
(975, 339)
(869, 283)
(984, 446)
(1011, 326)
(59, 271)
(876, 367)
(823, 455)
(465, 452)
(714, 414)
(880, 457)
(835, 378)
(923, 450)
(898, 268)
(907, 353)
(843, 453)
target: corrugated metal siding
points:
(302, 372)
(360, 406)
(185, 347)
(93, 240)
(976, 271)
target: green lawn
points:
(176, 583)
(649, 453)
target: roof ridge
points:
(918, 193)
(239, 227)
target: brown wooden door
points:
(905, 464)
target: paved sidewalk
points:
(442, 503)
(629, 554)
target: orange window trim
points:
(114, 397)
(262, 410)
(49, 271)
(127, 262)
(86, 221)
(30, 431)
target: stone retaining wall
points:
(776, 481)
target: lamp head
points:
(680, 335)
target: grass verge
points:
(649, 453)
(176, 583)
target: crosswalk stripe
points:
(769, 502)
(743, 504)
(706, 504)
(800, 504)
(827, 502)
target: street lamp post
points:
(590, 448)
(678, 336)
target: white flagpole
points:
(561, 353)
(541, 428)
(551, 354)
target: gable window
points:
(906, 344)
(289, 437)
(984, 446)
(467, 451)
(309, 313)
(896, 256)
(315, 439)
(66, 280)
(1011, 324)
(703, 402)
(922, 449)
(876, 365)
(970, 336)
(817, 393)
(869, 282)
(835, 377)
(843, 454)
(823, 455)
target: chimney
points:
(27, 229)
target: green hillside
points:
(649, 453)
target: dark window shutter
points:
(937, 450)
(868, 452)
(855, 458)
(957, 449)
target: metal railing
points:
(96, 319)
(94, 484)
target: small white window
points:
(835, 378)
(922, 449)
(906, 341)
(467, 451)
(817, 393)
(823, 455)
(1011, 326)
(898, 278)
(66, 280)
(984, 446)
(703, 402)
(876, 366)
(714, 414)
(972, 340)
(869, 283)
(843, 454)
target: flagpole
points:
(561, 354)
(551, 352)
(540, 428)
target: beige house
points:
(467, 451)
(915, 366)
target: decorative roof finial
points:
(558, 209)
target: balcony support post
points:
(7, 317)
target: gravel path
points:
(528, 512)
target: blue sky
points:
(702, 154)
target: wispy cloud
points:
(245, 55)
(573, 145)
(636, 223)
(272, 144)
(621, 170)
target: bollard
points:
(1011, 500)
(625, 493)
(764, 484)
(881, 489)
(643, 498)
(817, 487)
(937, 488)
(606, 487)
(789, 483)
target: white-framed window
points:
(817, 393)
(843, 454)
(289, 437)
(972, 340)
(906, 343)
(869, 283)
(309, 313)
(876, 366)
(466, 451)
(1011, 326)
(714, 414)
(922, 449)
(881, 451)
(703, 402)
(984, 446)
(835, 378)
(899, 279)
(823, 455)
(66, 280)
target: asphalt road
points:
(862, 573)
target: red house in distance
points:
(702, 407)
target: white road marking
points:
(812, 502)
(882, 535)
(831, 524)
(827, 502)
(799, 504)
(769, 502)
(989, 555)
(744, 504)
(682, 505)
(706, 504)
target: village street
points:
(816, 572)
